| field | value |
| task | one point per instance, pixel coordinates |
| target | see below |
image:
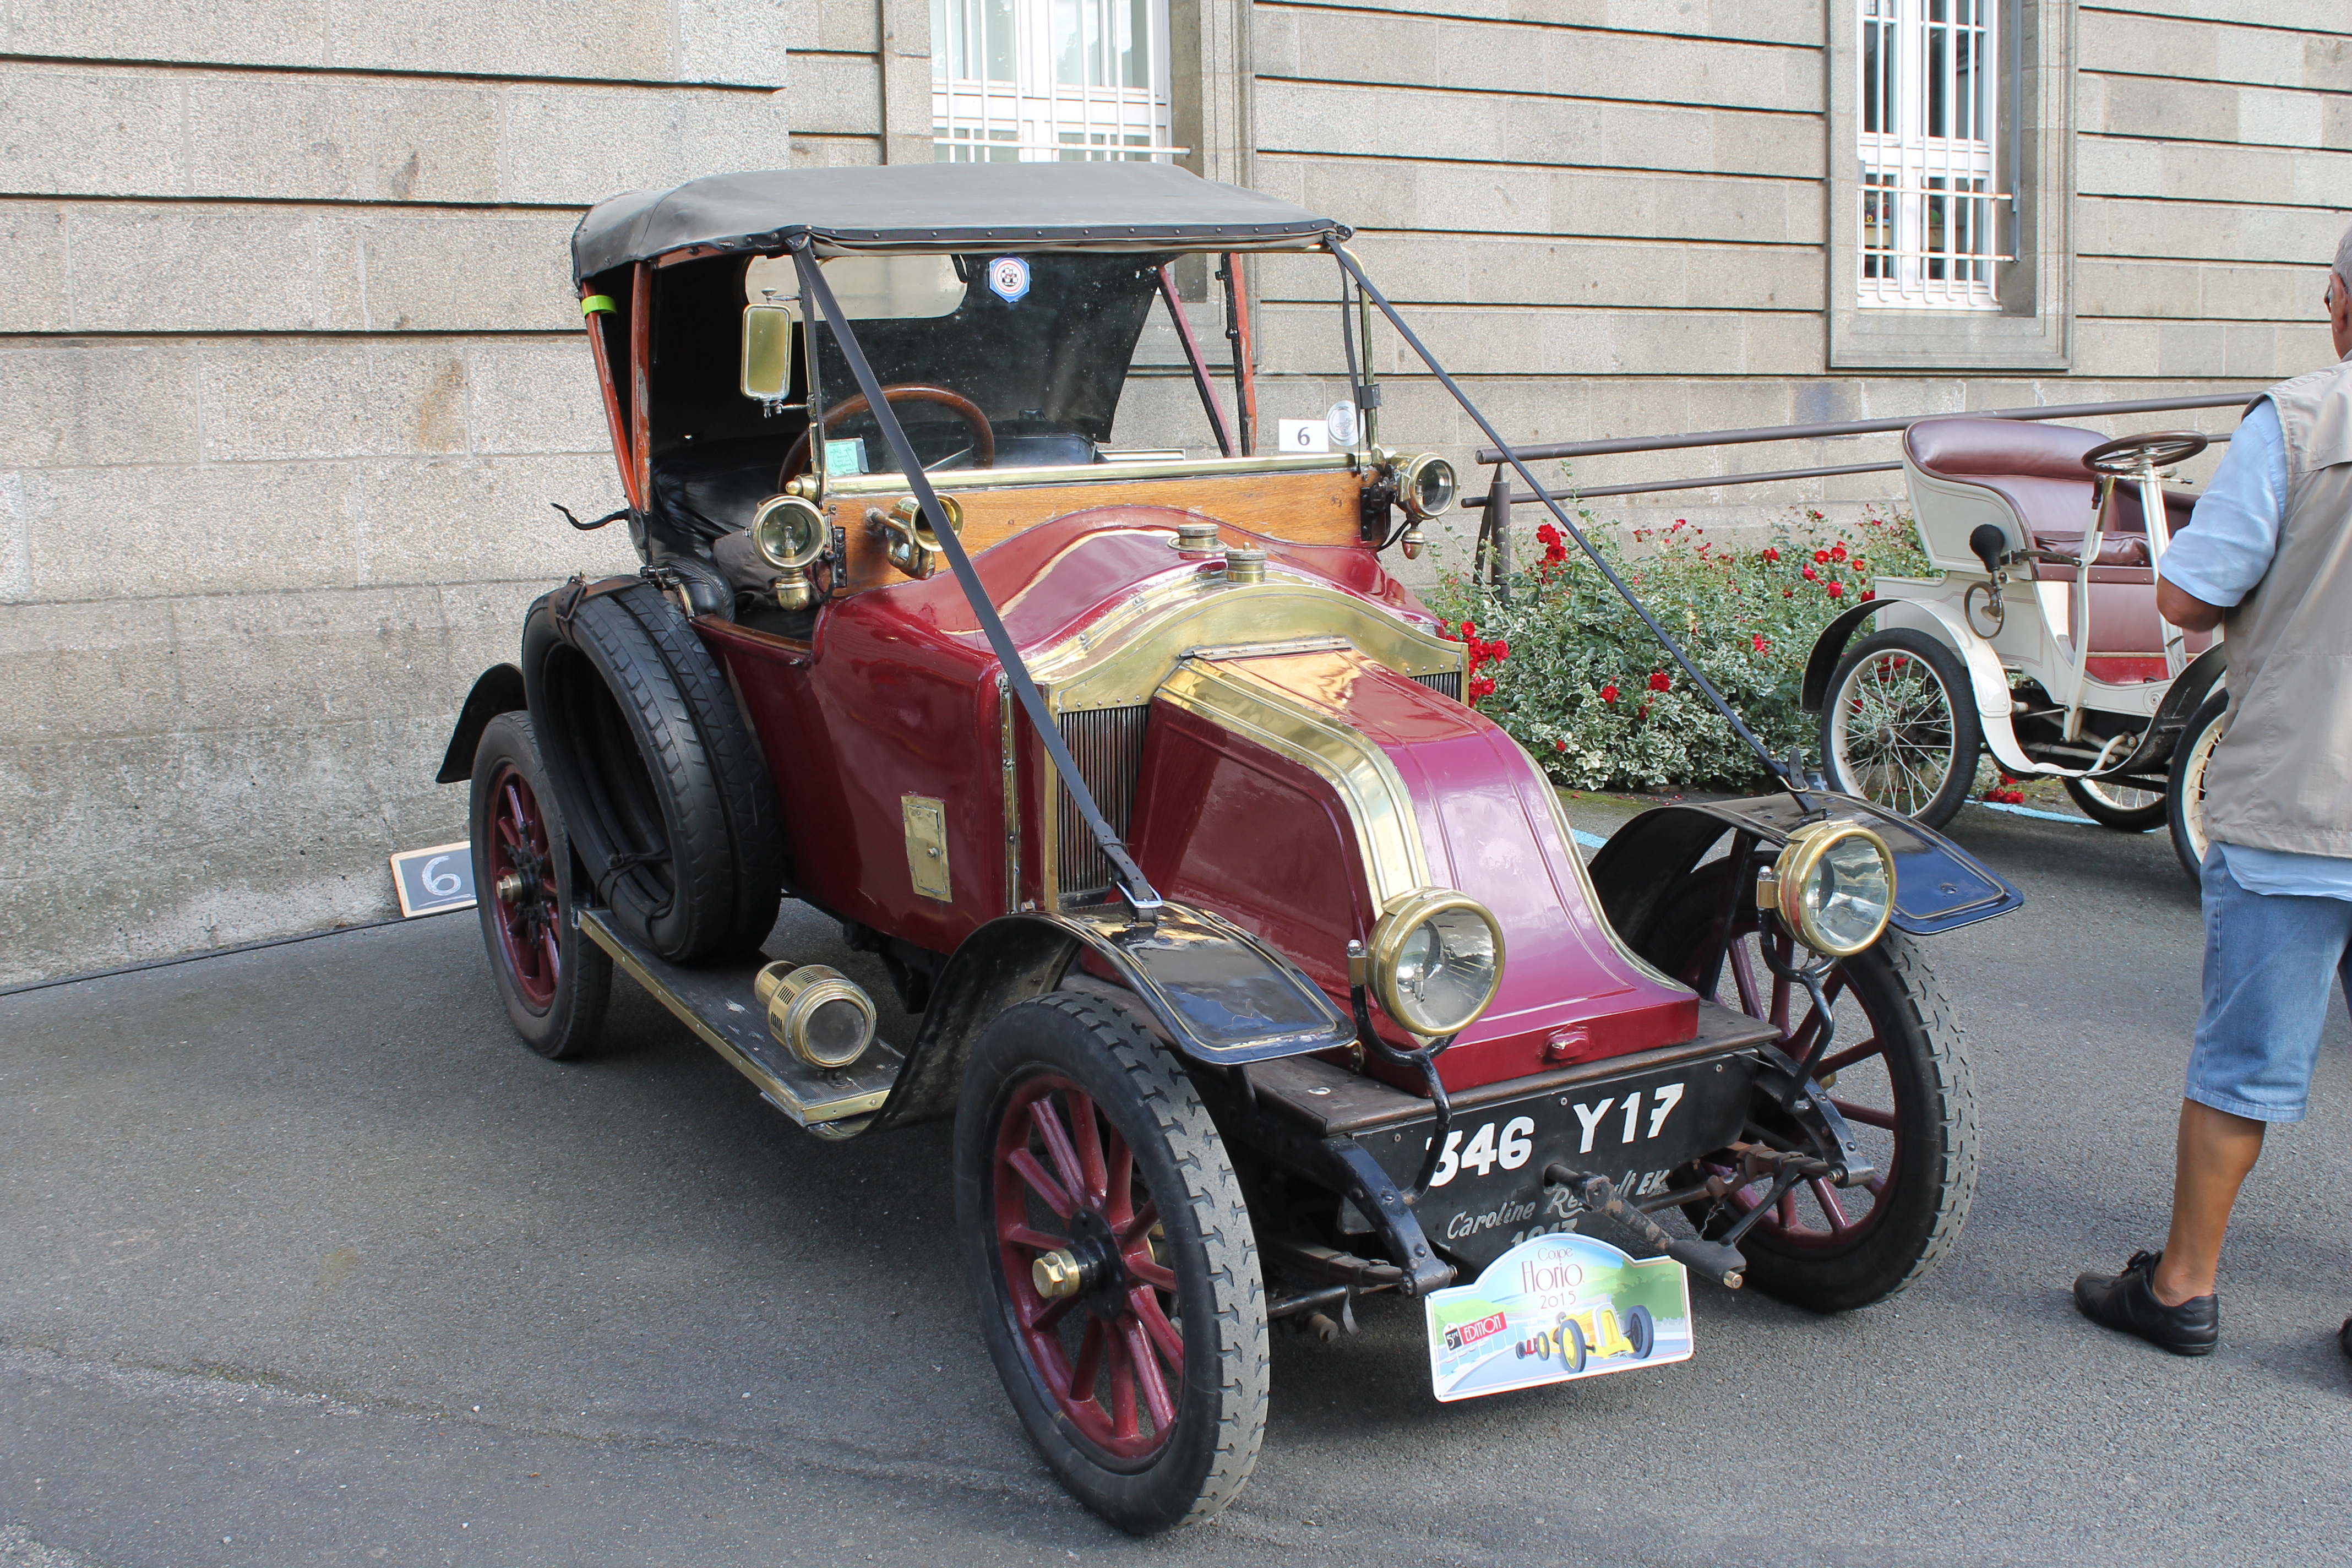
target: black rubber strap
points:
(1772, 765)
(1138, 892)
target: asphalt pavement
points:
(304, 1259)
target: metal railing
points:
(1492, 556)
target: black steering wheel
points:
(2139, 456)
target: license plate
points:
(1554, 1309)
(1488, 1194)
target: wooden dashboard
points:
(1321, 507)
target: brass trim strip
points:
(810, 1114)
(946, 480)
(1005, 746)
(1268, 649)
(1380, 807)
(1122, 659)
(1049, 817)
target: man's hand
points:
(2186, 610)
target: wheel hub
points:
(1088, 1267)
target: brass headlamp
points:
(788, 532)
(815, 1012)
(1833, 887)
(1424, 486)
(1435, 960)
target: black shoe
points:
(2127, 1301)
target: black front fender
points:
(1938, 886)
(1829, 647)
(1222, 996)
(498, 690)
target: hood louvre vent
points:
(1444, 682)
(1108, 745)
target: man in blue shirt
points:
(2265, 554)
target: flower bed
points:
(1561, 662)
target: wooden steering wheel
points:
(2136, 457)
(983, 434)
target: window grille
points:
(1042, 80)
(1929, 74)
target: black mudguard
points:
(498, 690)
(1829, 647)
(1220, 995)
(1938, 886)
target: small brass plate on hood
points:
(926, 845)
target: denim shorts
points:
(2269, 959)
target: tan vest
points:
(2280, 777)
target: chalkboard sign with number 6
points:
(431, 881)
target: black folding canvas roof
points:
(945, 206)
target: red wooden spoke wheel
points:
(1106, 1236)
(1066, 1193)
(554, 980)
(522, 884)
(1896, 1070)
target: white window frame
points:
(1030, 115)
(1928, 80)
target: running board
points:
(716, 1004)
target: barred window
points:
(1042, 80)
(1927, 185)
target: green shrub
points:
(1560, 660)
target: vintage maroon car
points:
(1259, 973)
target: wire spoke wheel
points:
(2112, 803)
(1896, 1071)
(1899, 727)
(554, 981)
(1894, 730)
(2184, 800)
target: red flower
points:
(1820, 557)
(1469, 629)
(1867, 595)
(1811, 576)
(1661, 681)
(1837, 551)
(1760, 644)
(1770, 554)
(1860, 564)
(1498, 650)
(1837, 590)
(1484, 686)
(1547, 534)
(1788, 593)
(1609, 692)
(1680, 522)
(1560, 745)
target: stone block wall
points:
(289, 373)
(1614, 218)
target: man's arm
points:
(2226, 550)
(2185, 610)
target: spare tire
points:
(657, 775)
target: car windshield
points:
(1064, 357)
